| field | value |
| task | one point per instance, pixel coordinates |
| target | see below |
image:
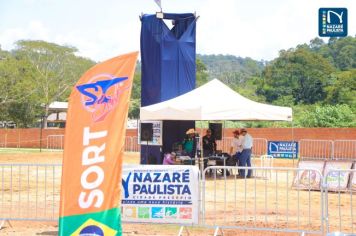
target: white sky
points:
(102, 29)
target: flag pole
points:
(159, 3)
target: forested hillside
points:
(317, 79)
(231, 69)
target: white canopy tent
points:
(214, 101)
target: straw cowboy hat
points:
(236, 132)
(190, 131)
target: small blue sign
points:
(157, 212)
(283, 149)
(333, 22)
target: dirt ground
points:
(267, 200)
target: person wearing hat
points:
(236, 147)
(245, 157)
(189, 143)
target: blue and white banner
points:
(283, 149)
(160, 194)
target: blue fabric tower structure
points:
(168, 70)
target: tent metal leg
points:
(181, 229)
(3, 222)
(217, 230)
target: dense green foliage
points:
(314, 73)
(329, 116)
(317, 79)
(34, 75)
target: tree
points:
(346, 58)
(300, 73)
(17, 96)
(135, 101)
(202, 74)
(232, 70)
(316, 44)
(23, 114)
(329, 116)
(56, 69)
(342, 90)
(15, 76)
(341, 52)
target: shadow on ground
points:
(48, 233)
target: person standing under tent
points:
(209, 144)
(236, 146)
(245, 158)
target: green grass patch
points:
(26, 150)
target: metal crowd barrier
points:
(224, 144)
(55, 141)
(327, 149)
(259, 145)
(277, 201)
(344, 150)
(308, 148)
(267, 204)
(3, 141)
(131, 144)
(340, 201)
(22, 143)
(30, 191)
(316, 149)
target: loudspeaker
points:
(146, 131)
(216, 130)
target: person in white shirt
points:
(245, 157)
(236, 147)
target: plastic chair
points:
(267, 161)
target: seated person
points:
(189, 143)
(209, 144)
(177, 148)
(169, 159)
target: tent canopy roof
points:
(214, 101)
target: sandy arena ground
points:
(265, 201)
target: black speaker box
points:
(216, 130)
(146, 132)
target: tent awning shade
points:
(214, 101)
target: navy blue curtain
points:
(168, 57)
(168, 67)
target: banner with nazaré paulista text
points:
(160, 194)
(93, 149)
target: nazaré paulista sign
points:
(333, 22)
(160, 194)
(283, 149)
